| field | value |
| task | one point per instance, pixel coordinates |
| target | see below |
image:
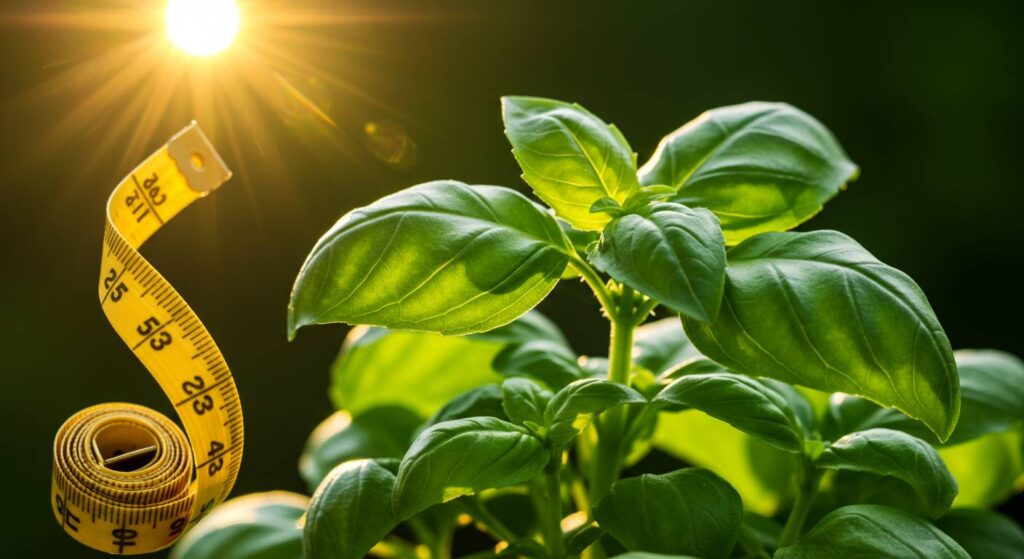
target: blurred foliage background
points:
(925, 97)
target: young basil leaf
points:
(572, 408)
(462, 457)
(384, 432)
(550, 362)
(760, 473)
(988, 468)
(569, 157)
(759, 166)
(818, 310)
(873, 531)
(607, 205)
(669, 252)
(984, 533)
(896, 454)
(256, 526)
(578, 540)
(743, 402)
(524, 400)
(689, 511)
(483, 401)
(350, 512)
(442, 257)
(374, 369)
(661, 345)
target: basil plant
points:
(807, 386)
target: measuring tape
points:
(124, 478)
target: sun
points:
(202, 27)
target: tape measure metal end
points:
(196, 158)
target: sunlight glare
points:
(202, 27)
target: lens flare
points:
(202, 27)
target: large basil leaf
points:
(442, 257)
(989, 468)
(991, 396)
(256, 526)
(816, 309)
(350, 512)
(760, 473)
(524, 401)
(417, 370)
(384, 432)
(873, 531)
(569, 157)
(759, 166)
(669, 252)
(572, 408)
(984, 533)
(462, 457)
(483, 401)
(689, 511)
(550, 362)
(661, 345)
(743, 402)
(896, 454)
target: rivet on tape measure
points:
(124, 478)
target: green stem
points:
(593, 279)
(553, 513)
(643, 310)
(473, 506)
(607, 459)
(809, 479)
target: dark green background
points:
(925, 97)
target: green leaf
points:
(350, 512)
(984, 533)
(816, 309)
(991, 396)
(441, 256)
(760, 473)
(531, 326)
(642, 555)
(548, 361)
(462, 457)
(483, 401)
(896, 454)
(759, 166)
(992, 392)
(384, 432)
(569, 157)
(873, 531)
(661, 345)
(743, 402)
(572, 408)
(524, 400)
(255, 526)
(378, 367)
(989, 469)
(669, 252)
(689, 511)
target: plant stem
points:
(553, 513)
(593, 279)
(473, 506)
(643, 310)
(808, 480)
(613, 422)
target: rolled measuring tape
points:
(126, 480)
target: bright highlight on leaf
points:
(202, 27)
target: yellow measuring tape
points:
(124, 478)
